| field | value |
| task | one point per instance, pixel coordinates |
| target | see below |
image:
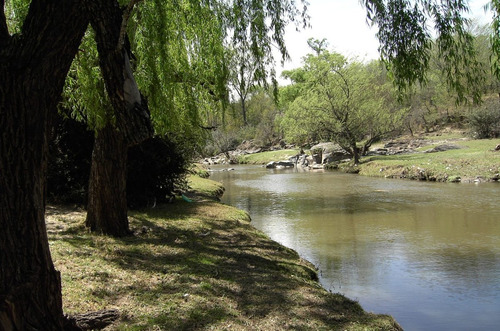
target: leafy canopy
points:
(339, 99)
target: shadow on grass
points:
(211, 270)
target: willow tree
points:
(179, 50)
(35, 57)
(408, 30)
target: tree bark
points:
(107, 196)
(33, 67)
(107, 205)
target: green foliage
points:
(181, 53)
(341, 100)
(222, 141)
(84, 93)
(484, 121)
(16, 11)
(494, 6)
(180, 63)
(434, 104)
(156, 170)
(406, 42)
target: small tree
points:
(341, 100)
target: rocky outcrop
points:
(443, 148)
(328, 152)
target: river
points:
(426, 253)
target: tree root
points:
(91, 321)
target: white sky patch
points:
(343, 23)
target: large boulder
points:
(301, 160)
(280, 164)
(328, 152)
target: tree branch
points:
(123, 29)
(4, 30)
(130, 108)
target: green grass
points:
(476, 158)
(204, 187)
(195, 266)
(266, 157)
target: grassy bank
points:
(475, 160)
(266, 157)
(194, 266)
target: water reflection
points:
(426, 253)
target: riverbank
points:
(442, 157)
(195, 265)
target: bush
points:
(156, 170)
(484, 121)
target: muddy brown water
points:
(426, 253)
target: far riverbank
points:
(441, 157)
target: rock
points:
(280, 164)
(317, 158)
(442, 148)
(285, 164)
(271, 165)
(402, 146)
(95, 320)
(301, 160)
(327, 152)
(378, 151)
(454, 179)
(317, 167)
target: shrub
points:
(156, 170)
(484, 121)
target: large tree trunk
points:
(107, 200)
(33, 67)
(107, 207)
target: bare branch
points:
(123, 29)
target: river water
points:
(426, 253)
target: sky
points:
(343, 24)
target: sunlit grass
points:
(266, 157)
(475, 159)
(205, 187)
